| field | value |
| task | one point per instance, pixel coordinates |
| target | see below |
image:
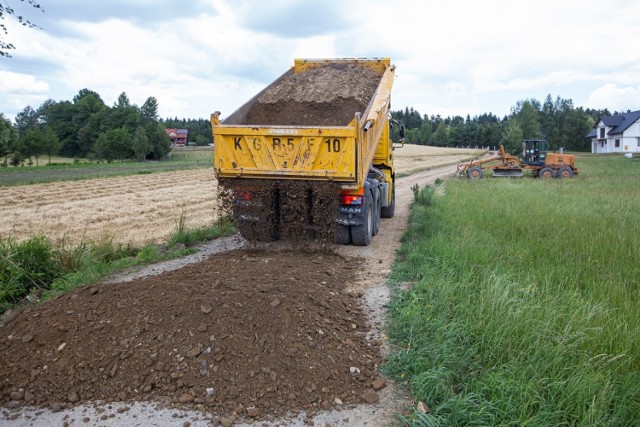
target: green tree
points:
(8, 137)
(527, 112)
(441, 135)
(114, 144)
(31, 144)
(50, 143)
(159, 140)
(141, 146)
(512, 136)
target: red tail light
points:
(350, 199)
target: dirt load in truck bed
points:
(328, 95)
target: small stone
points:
(337, 401)
(354, 370)
(210, 391)
(185, 398)
(27, 338)
(195, 351)
(275, 303)
(122, 395)
(325, 405)
(378, 384)
(226, 422)
(202, 327)
(94, 291)
(254, 412)
(73, 397)
(17, 395)
(62, 346)
(206, 308)
(86, 419)
(370, 397)
(56, 407)
(423, 408)
(186, 424)
(29, 396)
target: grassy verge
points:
(37, 269)
(523, 304)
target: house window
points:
(617, 143)
(638, 142)
(601, 133)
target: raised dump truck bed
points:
(304, 124)
(324, 120)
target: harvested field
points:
(136, 209)
(143, 208)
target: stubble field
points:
(142, 209)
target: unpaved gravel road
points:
(371, 282)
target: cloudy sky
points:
(453, 57)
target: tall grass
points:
(39, 269)
(524, 304)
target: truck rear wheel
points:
(361, 234)
(389, 211)
(343, 234)
(377, 212)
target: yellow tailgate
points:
(285, 152)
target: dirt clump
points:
(328, 95)
(246, 333)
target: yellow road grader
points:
(535, 157)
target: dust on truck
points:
(312, 153)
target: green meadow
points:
(517, 301)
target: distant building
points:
(616, 134)
(178, 137)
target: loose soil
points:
(244, 333)
(323, 96)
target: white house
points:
(616, 134)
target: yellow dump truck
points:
(311, 154)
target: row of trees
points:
(558, 121)
(86, 127)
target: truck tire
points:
(565, 172)
(546, 173)
(361, 234)
(377, 211)
(389, 211)
(474, 172)
(343, 234)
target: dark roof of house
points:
(618, 123)
(592, 134)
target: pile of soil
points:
(324, 96)
(244, 334)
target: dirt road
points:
(268, 333)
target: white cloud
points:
(453, 56)
(615, 98)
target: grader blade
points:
(508, 173)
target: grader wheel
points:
(474, 172)
(565, 172)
